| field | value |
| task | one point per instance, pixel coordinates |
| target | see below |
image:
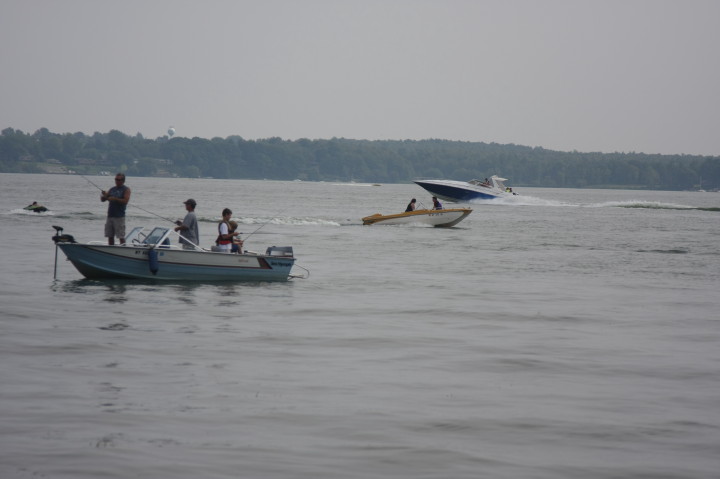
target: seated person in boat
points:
(411, 205)
(237, 242)
(225, 237)
(436, 204)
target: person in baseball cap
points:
(188, 227)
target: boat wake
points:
(651, 205)
(21, 211)
(520, 200)
(356, 184)
(534, 201)
(293, 221)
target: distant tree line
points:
(339, 159)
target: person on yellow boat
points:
(436, 204)
(410, 206)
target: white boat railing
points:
(159, 237)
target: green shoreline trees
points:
(340, 159)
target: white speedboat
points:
(151, 256)
(441, 218)
(461, 191)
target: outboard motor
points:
(279, 251)
(62, 238)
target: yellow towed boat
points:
(444, 218)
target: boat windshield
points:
(156, 236)
(479, 183)
(499, 183)
(135, 235)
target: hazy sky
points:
(601, 75)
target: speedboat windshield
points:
(499, 183)
(484, 182)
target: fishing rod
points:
(131, 204)
(88, 180)
(154, 214)
(268, 221)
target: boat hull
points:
(439, 218)
(460, 191)
(95, 261)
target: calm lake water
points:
(558, 334)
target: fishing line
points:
(268, 221)
(88, 180)
(130, 204)
(151, 213)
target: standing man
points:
(117, 197)
(190, 235)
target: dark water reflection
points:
(120, 291)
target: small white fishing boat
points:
(443, 218)
(460, 191)
(151, 256)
